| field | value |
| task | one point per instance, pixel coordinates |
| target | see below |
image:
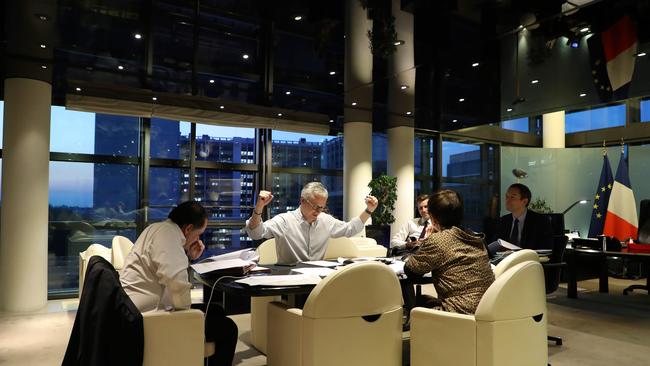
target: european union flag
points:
(601, 199)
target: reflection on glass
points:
(226, 194)
(299, 150)
(167, 188)
(645, 110)
(593, 119)
(225, 144)
(519, 124)
(224, 239)
(170, 139)
(89, 203)
(460, 160)
(286, 192)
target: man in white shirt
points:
(155, 274)
(414, 231)
(302, 234)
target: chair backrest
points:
(517, 293)
(84, 257)
(644, 222)
(514, 259)
(341, 247)
(552, 271)
(368, 288)
(121, 247)
(267, 252)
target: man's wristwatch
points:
(368, 212)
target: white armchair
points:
(513, 259)
(84, 257)
(508, 328)
(352, 317)
(175, 338)
(368, 247)
(121, 246)
(259, 304)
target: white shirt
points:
(297, 240)
(155, 271)
(412, 227)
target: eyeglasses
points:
(316, 207)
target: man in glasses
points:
(302, 234)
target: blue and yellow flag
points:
(601, 199)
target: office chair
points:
(552, 272)
(643, 242)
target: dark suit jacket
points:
(537, 232)
(108, 328)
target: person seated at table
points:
(522, 227)
(456, 258)
(302, 234)
(414, 231)
(155, 274)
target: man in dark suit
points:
(523, 227)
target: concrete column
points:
(553, 129)
(357, 130)
(401, 106)
(25, 180)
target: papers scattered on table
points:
(232, 267)
(319, 271)
(248, 254)
(322, 263)
(280, 280)
(397, 267)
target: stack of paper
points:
(232, 267)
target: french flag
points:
(621, 221)
(612, 57)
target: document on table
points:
(319, 271)
(219, 265)
(280, 280)
(322, 263)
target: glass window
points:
(89, 203)
(379, 153)
(518, 124)
(225, 144)
(2, 123)
(286, 192)
(593, 119)
(167, 188)
(645, 110)
(219, 240)
(299, 150)
(170, 139)
(90, 133)
(425, 164)
(226, 194)
(460, 160)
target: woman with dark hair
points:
(457, 259)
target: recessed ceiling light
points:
(461, 99)
(582, 95)
(404, 87)
(245, 56)
(408, 113)
(211, 81)
(43, 67)
(154, 98)
(509, 110)
(221, 107)
(77, 89)
(584, 30)
(43, 45)
(332, 72)
(455, 121)
(287, 92)
(640, 54)
(42, 17)
(297, 18)
(354, 103)
(534, 81)
(475, 64)
(398, 42)
(331, 121)
(137, 36)
(120, 67)
(279, 114)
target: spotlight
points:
(573, 41)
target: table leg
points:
(603, 282)
(572, 277)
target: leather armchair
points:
(508, 328)
(352, 317)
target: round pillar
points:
(553, 130)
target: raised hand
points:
(264, 197)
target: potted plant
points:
(384, 188)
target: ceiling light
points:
(534, 81)
(332, 72)
(640, 54)
(211, 81)
(582, 95)
(221, 107)
(287, 92)
(584, 30)
(137, 36)
(77, 89)
(154, 99)
(245, 56)
(297, 18)
(403, 87)
(455, 121)
(279, 114)
(331, 121)
(43, 45)
(509, 110)
(408, 113)
(399, 42)
(42, 17)
(43, 67)
(475, 64)
(120, 67)
(354, 103)
(461, 99)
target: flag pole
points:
(604, 148)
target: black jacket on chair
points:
(537, 232)
(108, 328)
